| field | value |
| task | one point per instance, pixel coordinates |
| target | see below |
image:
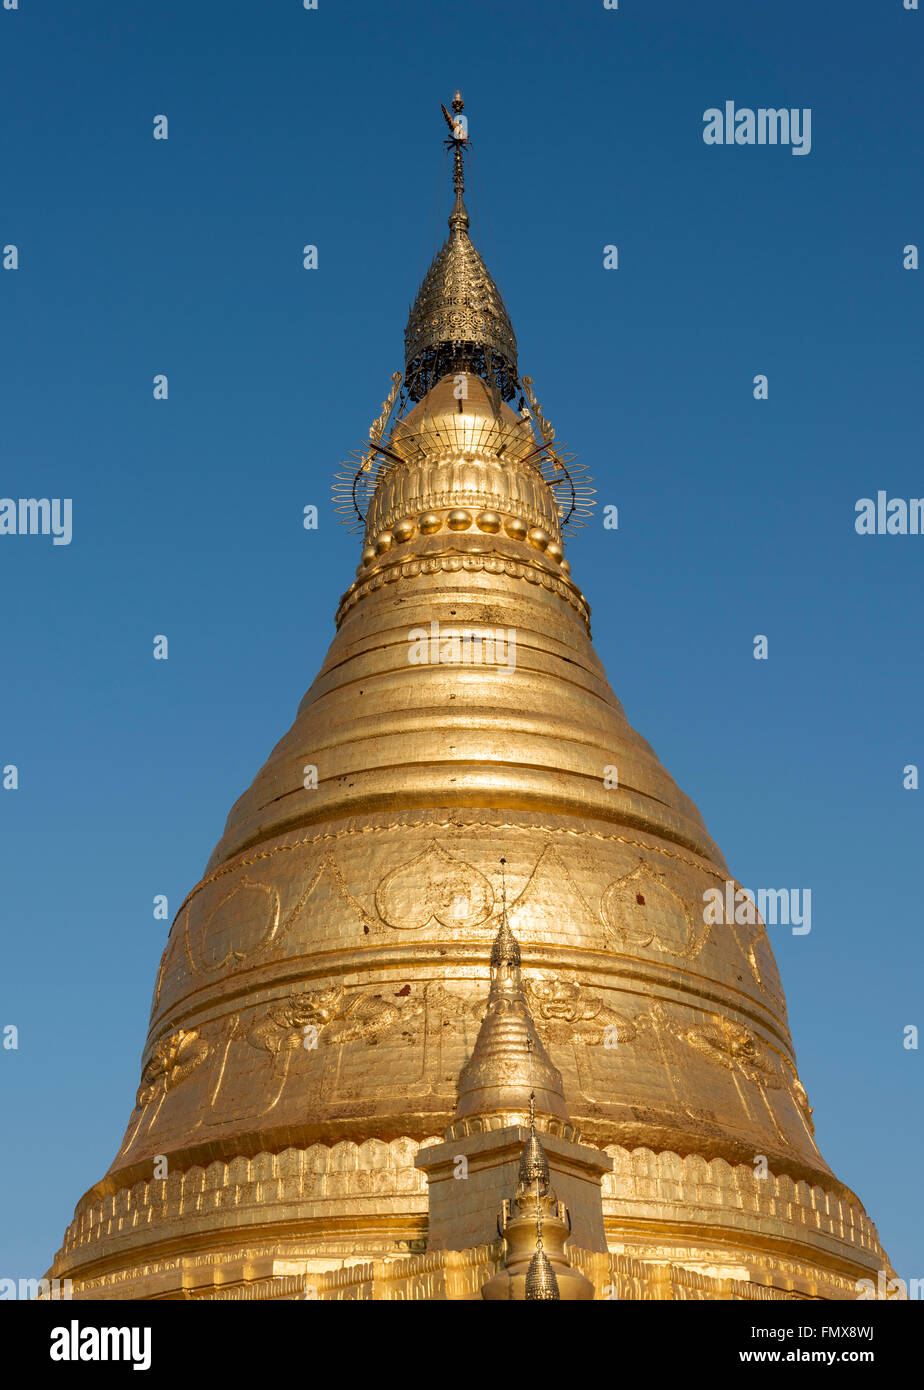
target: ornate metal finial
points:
(540, 1277)
(541, 1283)
(458, 322)
(534, 1165)
(458, 126)
(543, 425)
(458, 325)
(506, 948)
(532, 1093)
(380, 423)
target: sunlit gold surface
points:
(322, 987)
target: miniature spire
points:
(506, 948)
(508, 1051)
(534, 1167)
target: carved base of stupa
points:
(325, 1212)
(448, 1275)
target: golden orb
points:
(459, 519)
(429, 522)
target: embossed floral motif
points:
(170, 1062)
(573, 1015)
(735, 1047)
(368, 1017)
(282, 1029)
(339, 1018)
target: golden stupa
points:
(370, 1039)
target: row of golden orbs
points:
(461, 520)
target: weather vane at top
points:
(458, 125)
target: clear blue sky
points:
(183, 257)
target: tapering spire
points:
(458, 322)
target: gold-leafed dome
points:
(462, 404)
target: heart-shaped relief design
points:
(434, 887)
(639, 910)
(229, 932)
